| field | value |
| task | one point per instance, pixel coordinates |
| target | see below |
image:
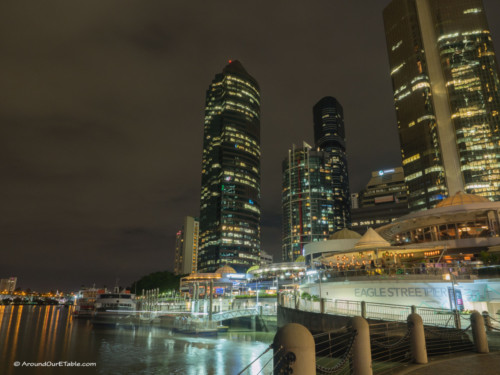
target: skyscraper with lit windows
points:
(446, 93)
(315, 196)
(329, 136)
(307, 200)
(186, 247)
(230, 187)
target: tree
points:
(164, 280)
(489, 258)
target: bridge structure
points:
(232, 314)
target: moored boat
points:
(85, 303)
(115, 309)
(194, 327)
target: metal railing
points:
(378, 311)
(387, 312)
(343, 307)
(435, 272)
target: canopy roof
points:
(371, 239)
(461, 198)
(344, 234)
(225, 269)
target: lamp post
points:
(319, 277)
(453, 300)
(257, 292)
(456, 313)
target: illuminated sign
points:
(381, 173)
(236, 275)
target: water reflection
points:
(49, 333)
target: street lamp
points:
(257, 291)
(450, 277)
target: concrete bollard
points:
(417, 339)
(363, 309)
(478, 332)
(361, 351)
(295, 338)
(413, 309)
(487, 320)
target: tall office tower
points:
(186, 247)
(446, 93)
(307, 200)
(230, 191)
(329, 136)
(8, 285)
(382, 201)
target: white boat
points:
(115, 309)
(85, 303)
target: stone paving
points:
(483, 364)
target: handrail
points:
(438, 317)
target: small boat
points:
(115, 309)
(85, 303)
(222, 328)
(194, 327)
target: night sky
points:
(101, 113)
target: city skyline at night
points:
(103, 109)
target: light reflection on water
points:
(49, 333)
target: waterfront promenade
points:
(484, 364)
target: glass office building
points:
(446, 94)
(230, 192)
(307, 200)
(329, 136)
(186, 247)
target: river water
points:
(43, 340)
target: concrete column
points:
(363, 309)
(361, 351)
(322, 305)
(479, 333)
(296, 339)
(417, 338)
(487, 321)
(195, 297)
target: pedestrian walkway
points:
(484, 364)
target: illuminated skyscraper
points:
(329, 136)
(230, 186)
(186, 247)
(446, 93)
(307, 200)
